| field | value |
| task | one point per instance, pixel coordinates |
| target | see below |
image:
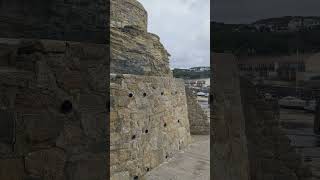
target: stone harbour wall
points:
(148, 118)
(198, 118)
(128, 13)
(229, 153)
(53, 110)
(148, 123)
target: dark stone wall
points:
(73, 20)
(229, 153)
(53, 110)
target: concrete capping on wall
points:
(148, 123)
(229, 153)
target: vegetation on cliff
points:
(186, 74)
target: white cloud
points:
(184, 29)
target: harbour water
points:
(298, 125)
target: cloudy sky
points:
(247, 11)
(184, 29)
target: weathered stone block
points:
(42, 126)
(86, 167)
(121, 176)
(48, 164)
(94, 124)
(71, 139)
(7, 126)
(12, 169)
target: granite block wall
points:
(149, 123)
(53, 110)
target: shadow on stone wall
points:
(53, 108)
(247, 142)
(270, 154)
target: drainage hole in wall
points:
(135, 177)
(66, 107)
(166, 156)
(178, 121)
(144, 94)
(148, 169)
(133, 137)
(130, 95)
(146, 131)
(165, 125)
(176, 92)
(162, 93)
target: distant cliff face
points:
(133, 49)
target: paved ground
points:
(299, 127)
(193, 163)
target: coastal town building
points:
(285, 68)
(200, 69)
(312, 69)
